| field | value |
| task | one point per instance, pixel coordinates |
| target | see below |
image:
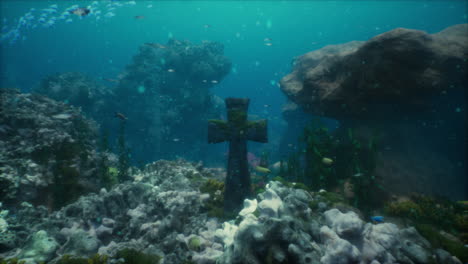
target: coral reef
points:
(161, 217)
(79, 90)
(171, 84)
(47, 153)
(163, 92)
(390, 84)
(156, 208)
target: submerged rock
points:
(40, 248)
(402, 67)
(401, 84)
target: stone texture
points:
(400, 84)
(44, 143)
(402, 67)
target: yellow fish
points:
(261, 169)
(327, 161)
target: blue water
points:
(102, 48)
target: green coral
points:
(442, 213)
(132, 256)
(194, 243)
(214, 206)
(332, 198)
(12, 261)
(437, 240)
(353, 162)
(95, 259)
(430, 214)
(408, 209)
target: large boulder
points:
(409, 87)
(397, 70)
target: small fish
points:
(156, 45)
(109, 15)
(267, 39)
(80, 11)
(261, 169)
(204, 81)
(111, 80)
(207, 26)
(359, 174)
(170, 70)
(327, 161)
(139, 17)
(377, 219)
(266, 105)
(269, 44)
(120, 116)
(214, 81)
(176, 139)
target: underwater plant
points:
(12, 261)
(95, 259)
(132, 256)
(215, 189)
(338, 162)
(123, 153)
(437, 211)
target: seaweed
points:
(336, 162)
(95, 259)
(214, 206)
(132, 256)
(438, 212)
(123, 153)
(438, 240)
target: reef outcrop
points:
(77, 89)
(165, 92)
(162, 212)
(47, 150)
(406, 85)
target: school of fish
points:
(17, 29)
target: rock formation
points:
(409, 86)
(47, 150)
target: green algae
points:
(132, 256)
(215, 205)
(437, 240)
(95, 259)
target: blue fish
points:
(378, 219)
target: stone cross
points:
(237, 130)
